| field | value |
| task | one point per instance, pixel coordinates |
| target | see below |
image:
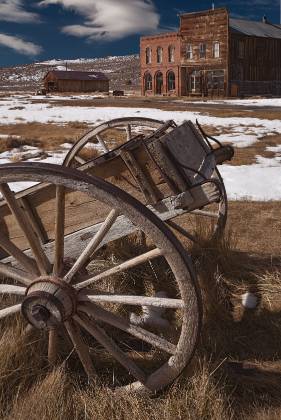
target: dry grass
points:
(247, 155)
(236, 373)
(46, 136)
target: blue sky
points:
(36, 30)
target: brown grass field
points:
(236, 371)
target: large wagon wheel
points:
(107, 136)
(209, 222)
(55, 292)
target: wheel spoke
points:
(102, 314)
(79, 160)
(10, 311)
(112, 348)
(157, 302)
(140, 259)
(16, 274)
(53, 347)
(34, 243)
(205, 213)
(129, 132)
(27, 262)
(93, 245)
(80, 347)
(182, 231)
(12, 290)
(102, 143)
(59, 230)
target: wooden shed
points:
(75, 81)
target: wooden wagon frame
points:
(51, 233)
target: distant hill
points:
(123, 72)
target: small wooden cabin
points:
(75, 81)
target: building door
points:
(159, 83)
(195, 86)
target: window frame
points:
(148, 55)
(148, 85)
(159, 57)
(170, 72)
(202, 51)
(189, 52)
(216, 49)
(171, 53)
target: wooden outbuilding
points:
(213, 55)
(75, 81)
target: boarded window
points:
(171, 80)
(148, 55)
(159, 55)
(189, 52)
(147, 81)
(202, 50)
(216, 50)
(215, 80)
(171, 54)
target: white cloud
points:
(13, 11)
(20, 45)
(110, 19)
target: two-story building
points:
(213, 55)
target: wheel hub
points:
(49, 302)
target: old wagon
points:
(67, 270)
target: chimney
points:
(264, 19)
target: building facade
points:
(75, 81)
(213, 55)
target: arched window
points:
(159, 83)
(148, 55)
(171, 80)
(171, 54)
(147, 82)
(159, 55)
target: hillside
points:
(123, 72)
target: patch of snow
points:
(256, 102)
(274, 149)
(238, 140)
(252, 182)
(268, 162)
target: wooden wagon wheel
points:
(101, 134)
(55, 293)
(212, 218)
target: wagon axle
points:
(49, 302)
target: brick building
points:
(213, 55)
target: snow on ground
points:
(274, 149)
(252, 182)
(270, 102)
(260, 181)
(44, 112)
(239, 140)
